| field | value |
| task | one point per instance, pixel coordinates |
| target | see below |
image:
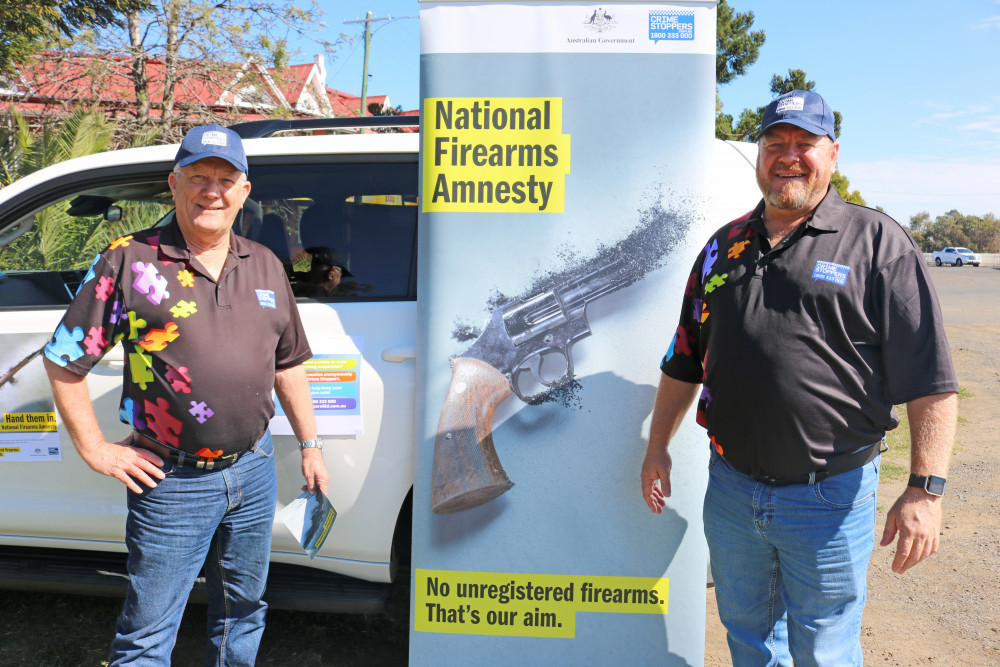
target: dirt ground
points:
(946, 610)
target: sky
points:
(917, 82)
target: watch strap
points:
(314, 443)
(932, 484)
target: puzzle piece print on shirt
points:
(682, 342)
(711, 253)
(149, 282)
(104, 288)
(134, 324)
(201, 411)
(65, 344)
(129, 413)
(162, 423)
(185, 278)
(179, 379)
(737, 249)
(120, 242)
(716, 281)
(207, 453)
(157, 339)
(184, 309)
(117, 312)
(140, 365)
(89, 276)
(95, 342)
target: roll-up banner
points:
(564, 150)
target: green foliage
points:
(843, 188)
(27, 27)
(979, 234)
(750, 119)
(736, 48)
(56, 240)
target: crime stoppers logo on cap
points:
(791, 104)
(214, 139)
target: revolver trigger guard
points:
(534, 364)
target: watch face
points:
(935, 485)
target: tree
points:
(980, 234)
(192, 61)
(736, 48)
(26, 28)
(843, 188)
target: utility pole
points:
(368, 41)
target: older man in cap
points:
(210, 327)
(805, 322)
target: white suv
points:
(62, 525)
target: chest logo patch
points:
(830, 272)
(265, 298)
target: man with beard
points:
(806, 321)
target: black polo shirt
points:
(804, 349)
(200, 356)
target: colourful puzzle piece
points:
(117, 312)
(140, 365)
(157, 339)
(207, 453)
(682, 342)
(104, 288)
(201, 411)
(130, 414)
(149, 282)
(95, 342)
(184, 308)
(737, 249)
(179, 379)
(90, 274)
(120, 242)
(715, 281)
(134, 325)
(711, 252)
(185, 278)
(65, 344)
(162, 423)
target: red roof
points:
(56, 83)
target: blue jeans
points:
(790, 564)
(220, 519)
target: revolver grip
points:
(466, 470)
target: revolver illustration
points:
(519, 333)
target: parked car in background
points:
(61, 525)
(956, 256)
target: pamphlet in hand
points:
(309, 517)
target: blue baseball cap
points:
(802, 108)
(212, 141)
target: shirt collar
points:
(827, 216)
(172, 243)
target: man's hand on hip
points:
(916, 518)
(124, 462)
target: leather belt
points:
(838, 466)
(182, 458)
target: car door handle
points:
(399, 354)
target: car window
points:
(965, 250)
(365, 212)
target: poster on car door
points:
(564, 150)
(27, 409)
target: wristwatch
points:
(316, 442)
(932, 484)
